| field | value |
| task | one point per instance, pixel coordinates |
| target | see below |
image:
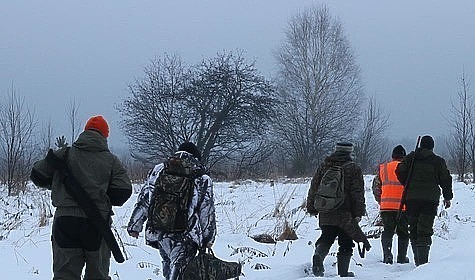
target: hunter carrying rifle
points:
(336, 195)
(85, 180)
(423, 174)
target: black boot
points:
(414, 251)
(344, 264)
(321, 251)
(422, 254)
(402, 244)
(387, 243)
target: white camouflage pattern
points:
(176, 249)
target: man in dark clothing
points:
(429, 175)
(387, 191)
(338, 223)
(76, 241)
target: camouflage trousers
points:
(176, 252)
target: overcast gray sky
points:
(411, 53)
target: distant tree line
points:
(246, 125)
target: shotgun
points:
(406, 184)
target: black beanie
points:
(190, 148)
(398, 152)
(427, 142)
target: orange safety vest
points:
(391, 188)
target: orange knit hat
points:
(99, 124)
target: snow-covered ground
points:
(244, 210)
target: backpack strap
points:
(347, 163)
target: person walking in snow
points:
(340, 222)
(387, 191)
(177, 244)
(76, 239)
(422, 194)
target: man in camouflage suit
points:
(429, 175)
(177, 249)
(341, 223)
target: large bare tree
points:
(319, 86)
(233, 106)
(17, 124)
(221, 104)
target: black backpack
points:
(331, 191)
(171, 198)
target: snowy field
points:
(244, 210)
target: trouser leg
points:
(98, 263)
(423, 254)
(412, 226)
(321, 251)
(424, 237)
(178, 255)
(403, 238)
(389, 225)
(322, 247)
(345, 251)
(403, 243)
(67, 262)
(421, 215)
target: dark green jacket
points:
(354, 204)
(99, 172)
(430, 174)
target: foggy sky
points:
(411, 53)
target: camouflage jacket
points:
(354, 205)
(202, 223)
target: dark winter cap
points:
(427, 142)
(346, 147)
(399, 152)
(190, 148)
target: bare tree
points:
(154, 116)
(319, 86)
(17, 123)
(222, 105)
(74, 121)
(233, 106)
(462, 136)
(371, 145)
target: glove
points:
(134, 234)
(357, 219)
(447, 203)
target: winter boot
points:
(414, 252)
(321, 251)
(386, 243)
(343, 265)
(422, 254)
(402, 244)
